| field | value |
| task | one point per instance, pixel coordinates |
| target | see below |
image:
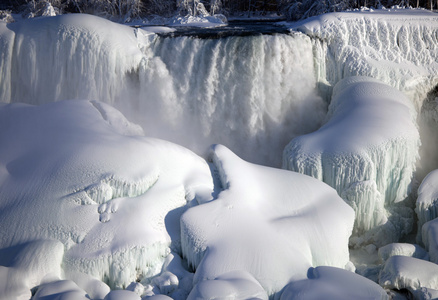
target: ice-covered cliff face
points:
(397, 47)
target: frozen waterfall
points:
(181, 89)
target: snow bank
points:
(402, 272)
(273, 224)
(367, 151)
(397, 47)
(333, 283)
(110, 201)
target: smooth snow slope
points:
(81, 188)
(272, 223)
(367, 151)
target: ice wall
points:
(397, 47)
(260, 89)
(367, 151)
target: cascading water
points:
(253, 93)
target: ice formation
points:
(367, 151)
(87, 204)
(118, 231)
(397, 47)
(427, 201)
(271, 223)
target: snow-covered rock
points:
(403, 272)
(367, 151)
(273, 224)
(108, 200)
(233, 285)
(60, 290)
(333, 283)
(402, 249)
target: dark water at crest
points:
(233, 28)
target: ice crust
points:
(119, 233)
(272, 223)
(367, 151)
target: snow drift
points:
(367, 151)
(272, 223)
(78, 173)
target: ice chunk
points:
(235, 285)
(427, 201)
(271, 223)
(110, 202)
(367, 151)
(333, 283)
(403, 272)
(402, 249)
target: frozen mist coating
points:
(195, 92)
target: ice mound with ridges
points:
(273, 224)
(112, 201)
(397, 47)
(367, 151)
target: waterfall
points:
(252, 94)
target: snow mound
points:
(427, 201)
(367, 151)
(398, 47)
(402, 249)
(333, 283)
(233, 285)
(273, 224)
(110, 202)
(402, 272)
(62, 290)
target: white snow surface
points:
(333, 283)
(403, 272)
(77, 192)
(272, 223)
(367, 151)
(402, 249)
